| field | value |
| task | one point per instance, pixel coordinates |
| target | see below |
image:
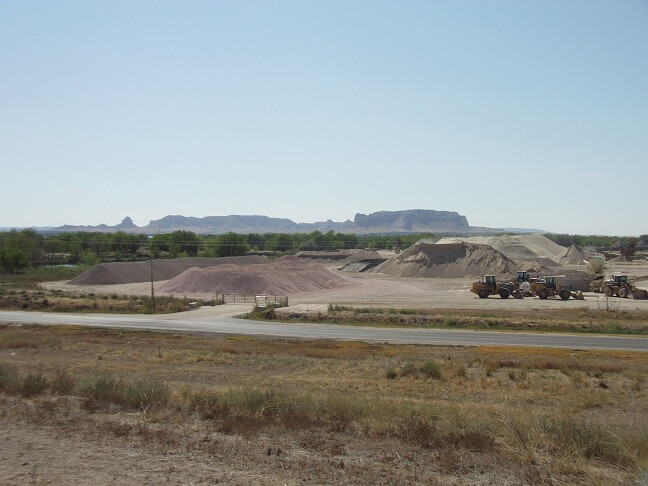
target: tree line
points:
(20, 249)
(24, 248)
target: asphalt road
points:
(226, 324)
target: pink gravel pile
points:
(286, 276)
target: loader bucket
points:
(517, 294)
(578, 295)
(639, 294)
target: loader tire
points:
(543, 294)
(565, 294)
(624, 292)
(504, 293)
(609, 291)
(483, 293)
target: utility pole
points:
(152, 288)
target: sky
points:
(530, 114)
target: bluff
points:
(413, 220)
(408, 221)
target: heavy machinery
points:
(490, 286)
(523, 282)
(618, 285)
(548, 287)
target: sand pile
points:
(519, 247)
(133, 272)
(574, 256)
(286, 276)
(450, 260)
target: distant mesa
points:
(402, 222)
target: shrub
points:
(431, 369)
(146, 394)
(103, 387)
(62, 383)
(391, 373)
(9, 378)
(33, 384)
(209, 405)
(409, 369)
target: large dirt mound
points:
(574, 256)
(518, 247)
(286, 276)
(450, 260)
(133, 272)
(342, 256)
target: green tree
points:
(229, 244)
(184, 241)
(13, 259)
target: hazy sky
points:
(513, 113)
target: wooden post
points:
(152, 288)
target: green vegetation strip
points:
(582, 320)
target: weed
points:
(391, 373)
(588, 439)
(33, 384)
(103, 388)
(9, 377)
(409, 369)
(431, 369)
(147, 394)
(62, 383)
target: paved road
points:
(227, 324)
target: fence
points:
(259, 300)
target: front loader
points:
(548, 287)
(618, 285)
(490, 286)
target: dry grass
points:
(579, 319)
(58, 301)
(526, 416)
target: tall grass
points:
(141, 394)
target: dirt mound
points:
(342, 256)
(620, 258)
(535, 266)
(517, 247)
(133, 272)
(286, 276)
(574, 256)
(450, 260)
(326, 256)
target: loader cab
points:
(620, 279)
(490, 281)
(522, 276)
(550, 282)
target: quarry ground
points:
(370, 289)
